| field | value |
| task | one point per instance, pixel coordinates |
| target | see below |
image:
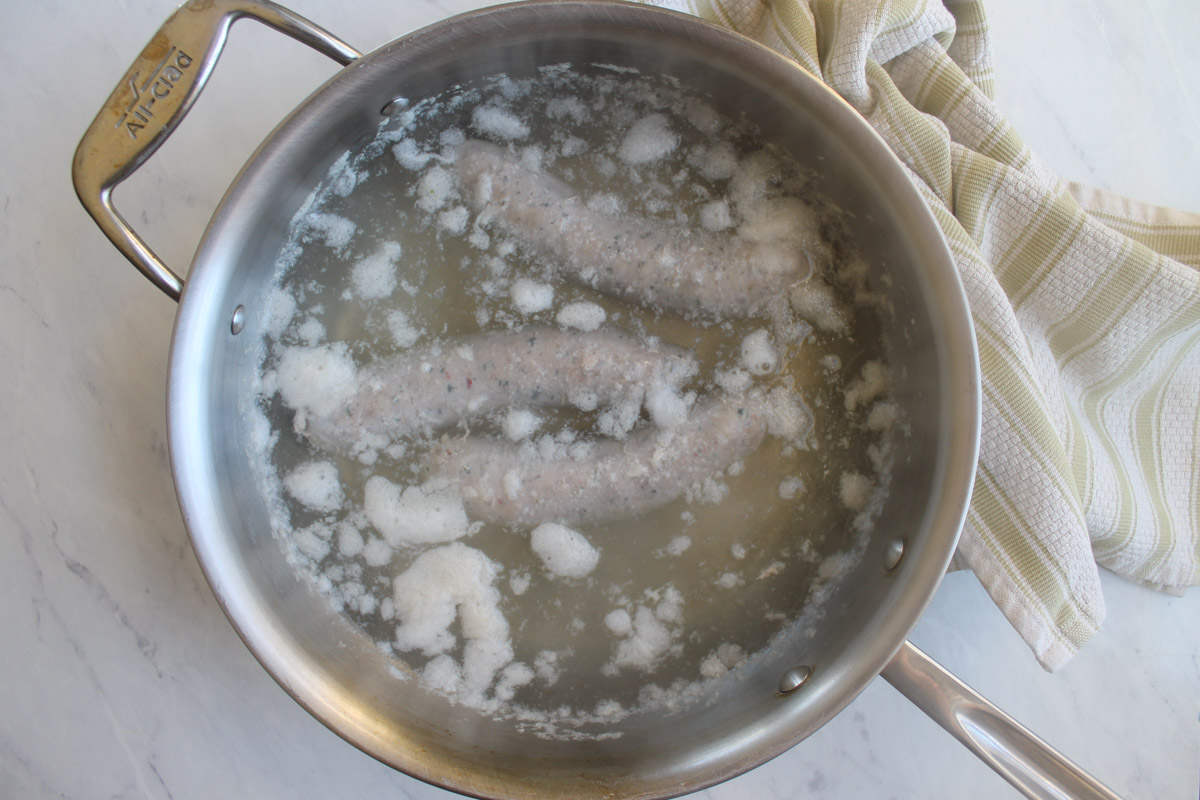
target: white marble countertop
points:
(121, 677)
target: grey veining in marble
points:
(121, 677)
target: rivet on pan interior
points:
(239, 320)
(893, 554)
(395, 107)
(794, 678)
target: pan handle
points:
(152, 99)
(1035, 768)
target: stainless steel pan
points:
(325, 663)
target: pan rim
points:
(202, 302)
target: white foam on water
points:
(649, 139)
(565, 553)
(583, 316)
(374, 277)
(530, 297)
(499, 122)
(414, 515)
(316, 485)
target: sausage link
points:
(435, 387)
(518, 487)
(692, 272)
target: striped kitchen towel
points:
(1086, 307)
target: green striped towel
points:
(1086, 307)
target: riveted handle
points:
(152, 99)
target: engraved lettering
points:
(158, 86)
(158, 68)
(134, 91)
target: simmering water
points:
(397, 262)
